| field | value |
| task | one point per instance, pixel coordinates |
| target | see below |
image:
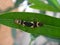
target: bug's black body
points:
(35, 24)
(29, 24)
(21, 22)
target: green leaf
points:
(42, 6)
(45, 8)
(54, 3)
(51, 27)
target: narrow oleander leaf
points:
(42, 6)
(45, 8)
(54, 3)
(51, 27)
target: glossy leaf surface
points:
(51, 27)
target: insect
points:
(29, 24)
